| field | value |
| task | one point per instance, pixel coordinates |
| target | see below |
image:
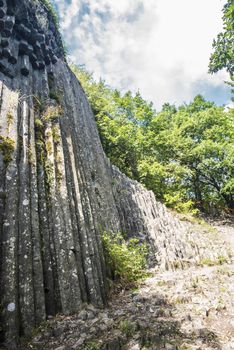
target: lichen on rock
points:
(58, 190)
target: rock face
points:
(58, 191)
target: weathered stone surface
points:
(178, 319)
(25, 65)
(4, 42)
(5, 67)
(59, 192)
(22, 29)
(6, 52)
(2, 12)
(30, 29)
(9, 22)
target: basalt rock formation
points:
(58, 190)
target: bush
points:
(180, 204)
(126, 259)
(128, 328)
(7, 146)
(91, 345)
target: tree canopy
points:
(223, 45)
(185, 154)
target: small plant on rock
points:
(38, 104)
(7, 146)
(222, 260)
(55, 96)
(91, 345)
(128, 328)
(10, 119)
(51, 113)
(126, 259)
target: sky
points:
(159, 47)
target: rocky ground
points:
(175, 310)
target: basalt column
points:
(51, 170)
(58, 190)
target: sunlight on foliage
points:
(223, 45)
(126, 259)
(184, 155)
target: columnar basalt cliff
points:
(58, 191)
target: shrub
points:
(91, 345)
(51, 113)
(7, 146)
(55, 96)
(128, 328)
(222, 260)
(126, 259)
(181, 205)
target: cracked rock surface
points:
(190, 309)
(58, 190)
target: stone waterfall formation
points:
(58, 190)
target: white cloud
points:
(160, 47)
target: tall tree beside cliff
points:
(223, 55)
(185, 154)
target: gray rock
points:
(90, 315)
(61, 190)
(83, 315)
(80, 342)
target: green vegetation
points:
(209, 262)
(10, 119)
(50, 7)
(55, 96)
(51, 113)
(31, 158)
(91, 345)
(7, 146)
(222, 260)
(56, 134)
(47, 138)
(126, 259)
(52, 11)
(185, 154)
(128, 328)
(38, 104)
(223, 55)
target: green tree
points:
(223, 55)
(197, 148)
(184, 155)
(122, 121)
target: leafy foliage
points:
(122, 121)
(223, 55)
(185, 155)
(7, 146)
(91, 345)
(126, 259)
(128, 328)
(197, 149)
